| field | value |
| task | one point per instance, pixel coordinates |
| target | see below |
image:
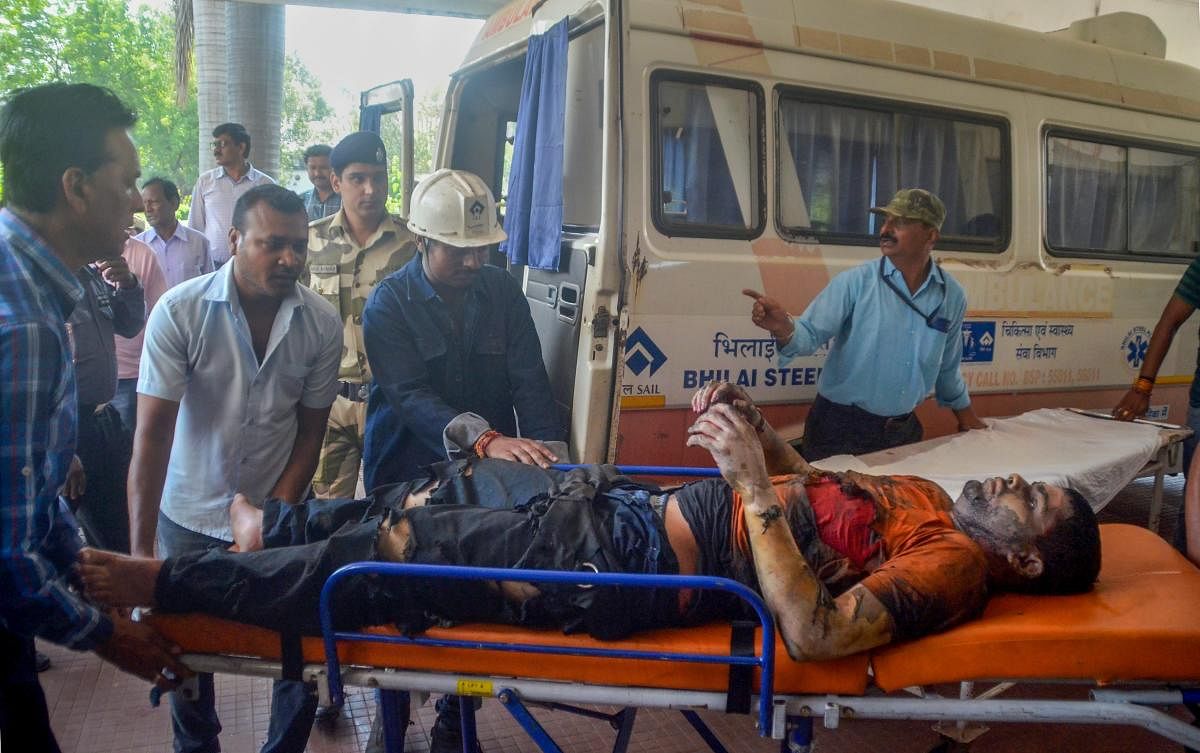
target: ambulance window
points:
(707, 140)
(1112, 198)
(839, 156)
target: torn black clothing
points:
(585, 519)
(497, 484)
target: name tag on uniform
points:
(323, 269)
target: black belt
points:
(865, 415)
(355, 392)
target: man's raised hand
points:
(770, 314)
(715, 393)
(733, 444)
(116, 272)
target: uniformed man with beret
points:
(348, 253)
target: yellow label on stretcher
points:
(474, 687)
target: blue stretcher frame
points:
(764, 659)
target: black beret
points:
(360, 146)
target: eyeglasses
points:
(220, 144)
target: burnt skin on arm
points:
(779, 456)
(813, 624)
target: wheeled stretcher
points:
(1135, 640)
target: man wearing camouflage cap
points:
(348, 253)
(896, 327)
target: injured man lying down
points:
(844, 561)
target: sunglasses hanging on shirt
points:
(932, 319)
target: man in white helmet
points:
(456, 360)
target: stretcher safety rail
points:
(764, 659)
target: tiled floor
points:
(96, 709)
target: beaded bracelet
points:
(484, 440)
(1144, 385)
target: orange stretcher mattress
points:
(1141, 622)
(200, 634)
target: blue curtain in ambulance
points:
(849, 159)
(697, 184)
(533, 217)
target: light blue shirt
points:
(237, 419)
(213, 199)
(183, 256)
(884, 358)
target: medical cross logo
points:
(1133, 347)
(641, 353)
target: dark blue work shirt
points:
(425, 374)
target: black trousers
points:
(279, 587)
(104, 448)
(24, 718)
(835, 429)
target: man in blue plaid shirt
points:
(69, 185)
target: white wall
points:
(1179, 20)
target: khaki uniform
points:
(344, 274)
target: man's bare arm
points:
(1191, 512)
(302, 463)
(812, 623)
(152, 442)
(780, 457)
(1177, 311)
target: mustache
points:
(887, 237)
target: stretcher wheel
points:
(946, 745)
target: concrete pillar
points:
(239, 75)
(212, 92)
(254, 60)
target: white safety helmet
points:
(455, 207)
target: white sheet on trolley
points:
(1096, 456)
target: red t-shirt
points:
(894, 535)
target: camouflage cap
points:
(915, 204)
(360, 146)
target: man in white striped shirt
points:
(219, 189)
(182, 252)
